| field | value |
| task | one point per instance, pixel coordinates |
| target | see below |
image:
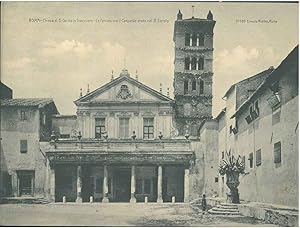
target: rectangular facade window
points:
(223, 155)
(23, 115)
(250, 160)
(277, 152)
(216, 179)
(258, 157)
(124, 128)
(23, 146)
(99, 127)
(194, 85)
(185, 87)
(148, 128)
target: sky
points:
(52, 49)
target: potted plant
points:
(232, 167)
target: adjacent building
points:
(262, 127)
(24, 124)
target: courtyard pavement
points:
(114, 214)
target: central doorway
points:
(122, 184)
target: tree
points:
(232, 168)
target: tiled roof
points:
(26, 102)
(293, 56)
(260, 74)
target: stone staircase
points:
(226, 210)
(24, 200)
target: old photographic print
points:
(149, 114)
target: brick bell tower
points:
(193, 72)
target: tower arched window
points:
(187, 39)
(194, 84)
(194, 63)
(185, 87)
(201, 86)
(187, 63)
(200, 63)
(194, 40)
(201, 39)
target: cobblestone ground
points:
(113, 214)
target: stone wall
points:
(12, 131)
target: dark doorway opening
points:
(26, 183)
(122, 184)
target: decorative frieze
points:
(133, 158)
(124, 115)
(100, 114)
(148, 114)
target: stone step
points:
(24, 200)
(229, 204)
(227, 207)
(223, 209)
(213, 212)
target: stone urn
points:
(232, 182)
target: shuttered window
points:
(258, 157)
(23, 146)
(124, 128)
(277, 152)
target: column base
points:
(186, 200)
(133, 200)
(78, 200)
(105, 200)
(160, 201)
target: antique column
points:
(159, 185)
(105, 185)
(132, 198)
(79, 184)
(52, 184)
(186, 185)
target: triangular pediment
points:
(124, 89)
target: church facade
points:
(130, 143)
